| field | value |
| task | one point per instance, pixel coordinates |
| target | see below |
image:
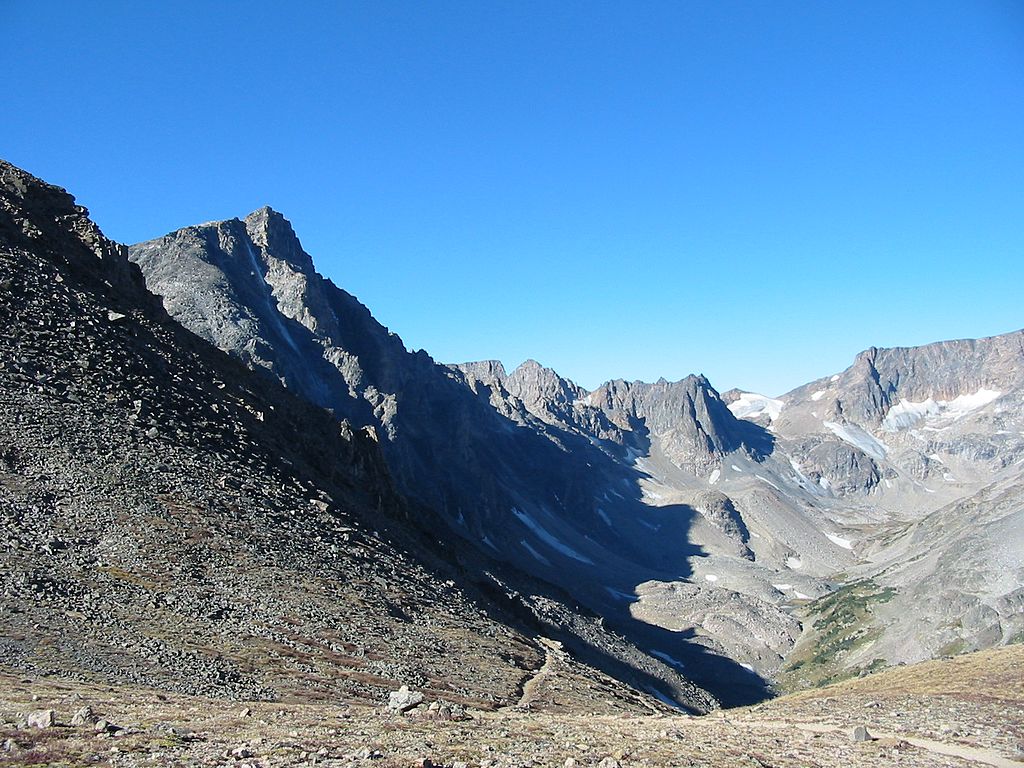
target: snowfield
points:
(907, 413)
(858, 437)
(750, 405)
(839, 541)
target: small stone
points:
(41, 718)
(609, 762)
(242, 752)
(105, 726)
(570, 762)
(859, 734)
(245, 713)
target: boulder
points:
(83, 716)
(41, 718)
(859, 734)
(404, 699)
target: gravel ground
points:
(908, 722)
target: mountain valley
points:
(221, 477)
(691, 521)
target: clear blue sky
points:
(752, 190)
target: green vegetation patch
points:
(842, 625)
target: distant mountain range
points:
(674, 538)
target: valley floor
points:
(968, 710)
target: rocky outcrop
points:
(688, 418)
(718, 509)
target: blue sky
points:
(754, 190)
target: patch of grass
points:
(122, 575)
(842, 625)
(953, 648)
(876, 665)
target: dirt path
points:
(531, 686)
(972, 754)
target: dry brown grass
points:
(172, 729)
(997, 673)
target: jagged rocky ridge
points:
(514, 464)
(666, 507)
(163, 525)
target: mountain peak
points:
(272, 232)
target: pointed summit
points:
(533, 383)
(271, 232)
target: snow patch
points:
(794, 562)
(662, 697)
(536, 555)
(632, 454)
(548, 539)
(736, 468)
(801, 596)
(764, 479)
(670, 660)
(907, 413)
(819, 394)
(859, 438)
(799, 478)
(835, 378)
(750, 405)
(714, 476)
(844, 543)
(620, 595)
(782, 587)
(272, 311)
(710, 577)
